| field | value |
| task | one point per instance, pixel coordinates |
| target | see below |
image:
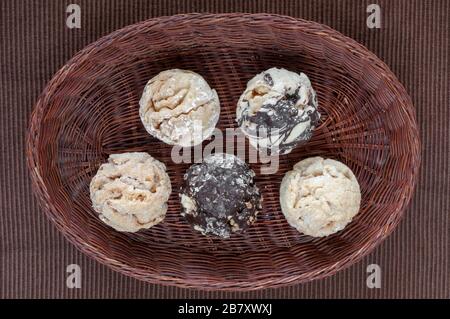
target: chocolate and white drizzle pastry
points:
(219, 196)
(278, 110)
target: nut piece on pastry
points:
(278, 110)
(179, 108)
(130, 191)
(319, 196)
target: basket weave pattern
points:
(90, 110)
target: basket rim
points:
(39, 187)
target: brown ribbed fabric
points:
(35, 43)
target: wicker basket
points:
(90, 110)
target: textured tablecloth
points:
(35, 42)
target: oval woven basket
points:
(90, 110)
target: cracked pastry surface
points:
(219, 196)
(130, 191)
(179, 108)
(278, 110)
(319, 196)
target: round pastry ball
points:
(278, 110)
(320, 196)
(219, 196)
(130, 191)
(179, 108)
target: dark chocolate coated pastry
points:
(219, 196)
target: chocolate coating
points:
(219, 196)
